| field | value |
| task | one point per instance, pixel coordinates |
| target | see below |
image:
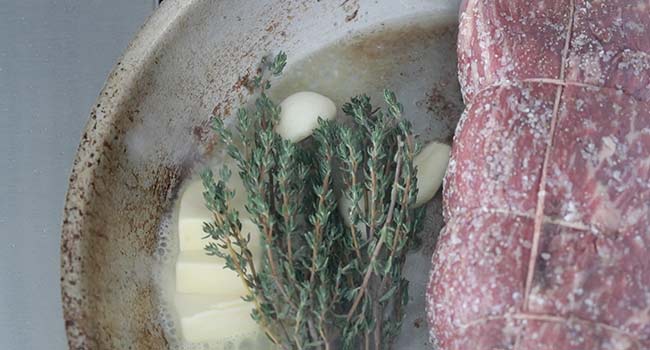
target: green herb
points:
(321, 284)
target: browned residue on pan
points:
(398, 40)
(351, 8)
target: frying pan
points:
(148, 130)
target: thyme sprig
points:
(321, 283)
(377, 162)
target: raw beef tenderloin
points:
(547, 197)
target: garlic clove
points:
(300, 112)
(431, 164)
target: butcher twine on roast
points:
(547, 243)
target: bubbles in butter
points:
(200, 304)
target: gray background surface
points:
(54, 58)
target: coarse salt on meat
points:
(547, 196)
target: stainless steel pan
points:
(148, 129)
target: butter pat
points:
(208, 295)
(204, 318)
(191, 235)
(199, 273)
(193, 213)
(431, 164)
(300, 112)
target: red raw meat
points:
(547, 196)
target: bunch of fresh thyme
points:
(321, 283)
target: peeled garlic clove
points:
(431, 164)
(300, 112)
